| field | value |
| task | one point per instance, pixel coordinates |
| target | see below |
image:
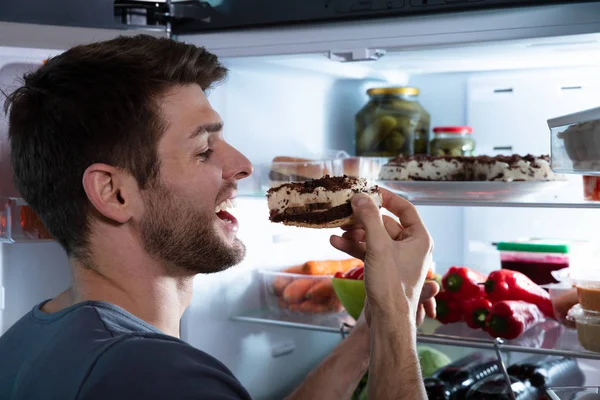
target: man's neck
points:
(141, 287)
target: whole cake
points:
(318, 203)
(480, 168)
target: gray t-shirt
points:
(96, 350)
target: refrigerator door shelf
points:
(19, 223)
(575, 141)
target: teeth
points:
(227, 204)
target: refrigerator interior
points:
(303, 105)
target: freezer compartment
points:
(299, 293)
(575, 142)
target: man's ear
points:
(110, 190)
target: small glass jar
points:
(452, 141)
(392, 123)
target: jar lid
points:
(453, 129)
(583, 316)
(409, 91)
(534, 246)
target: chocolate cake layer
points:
(316, 217)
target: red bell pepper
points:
(448, 308)
(357, 273)
(505, 284)
(509, 319)
(465, 282)
(476, 312)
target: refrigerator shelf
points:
(547, 338)
(556, 194)
(19, 223)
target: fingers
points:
(352, 248)
(420, 315)
(367, 213)
(429, 307)
(356, 236)
(427, 299)
(429, 291)
(401, 208)
(393, 228)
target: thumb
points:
(367, 213)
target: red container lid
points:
(453, 129)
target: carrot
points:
(295, 292)
(282, 304)
(281, 281)
(330, 267)
(321, 292)
(335, 305)
(430, 274)
(308, 306)
(296, 269)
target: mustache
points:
(228, 187)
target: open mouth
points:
(222, 211)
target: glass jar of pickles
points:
(392, 123)
(452, 141)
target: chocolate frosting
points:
(330, 183)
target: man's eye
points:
(205, 155)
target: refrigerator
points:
(293, 90)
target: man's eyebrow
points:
(207, 128)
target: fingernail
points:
(359, 200)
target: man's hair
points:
(95, 103)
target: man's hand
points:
(395, 253)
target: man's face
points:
(184, 223)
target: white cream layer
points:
(280, 199)
(522, 170)
(438, 170)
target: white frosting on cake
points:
(285, 196)
(469, 168)
(522, 170)
(437, 170)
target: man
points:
(116, 147)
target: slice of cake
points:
(318, 203)
(425, 168)
(513, 168)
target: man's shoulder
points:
(151, 365)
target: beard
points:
(185, 238)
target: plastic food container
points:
(575, 142)
(588, 327)
(452, 141)
(277, 173)
(297, 293)
(563, 295)
(588, 294)
(364, 167)
(591, 188)
(535, 258)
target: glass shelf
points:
(548, 337)
(332, 323)
(19, 223)
(556, 194)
